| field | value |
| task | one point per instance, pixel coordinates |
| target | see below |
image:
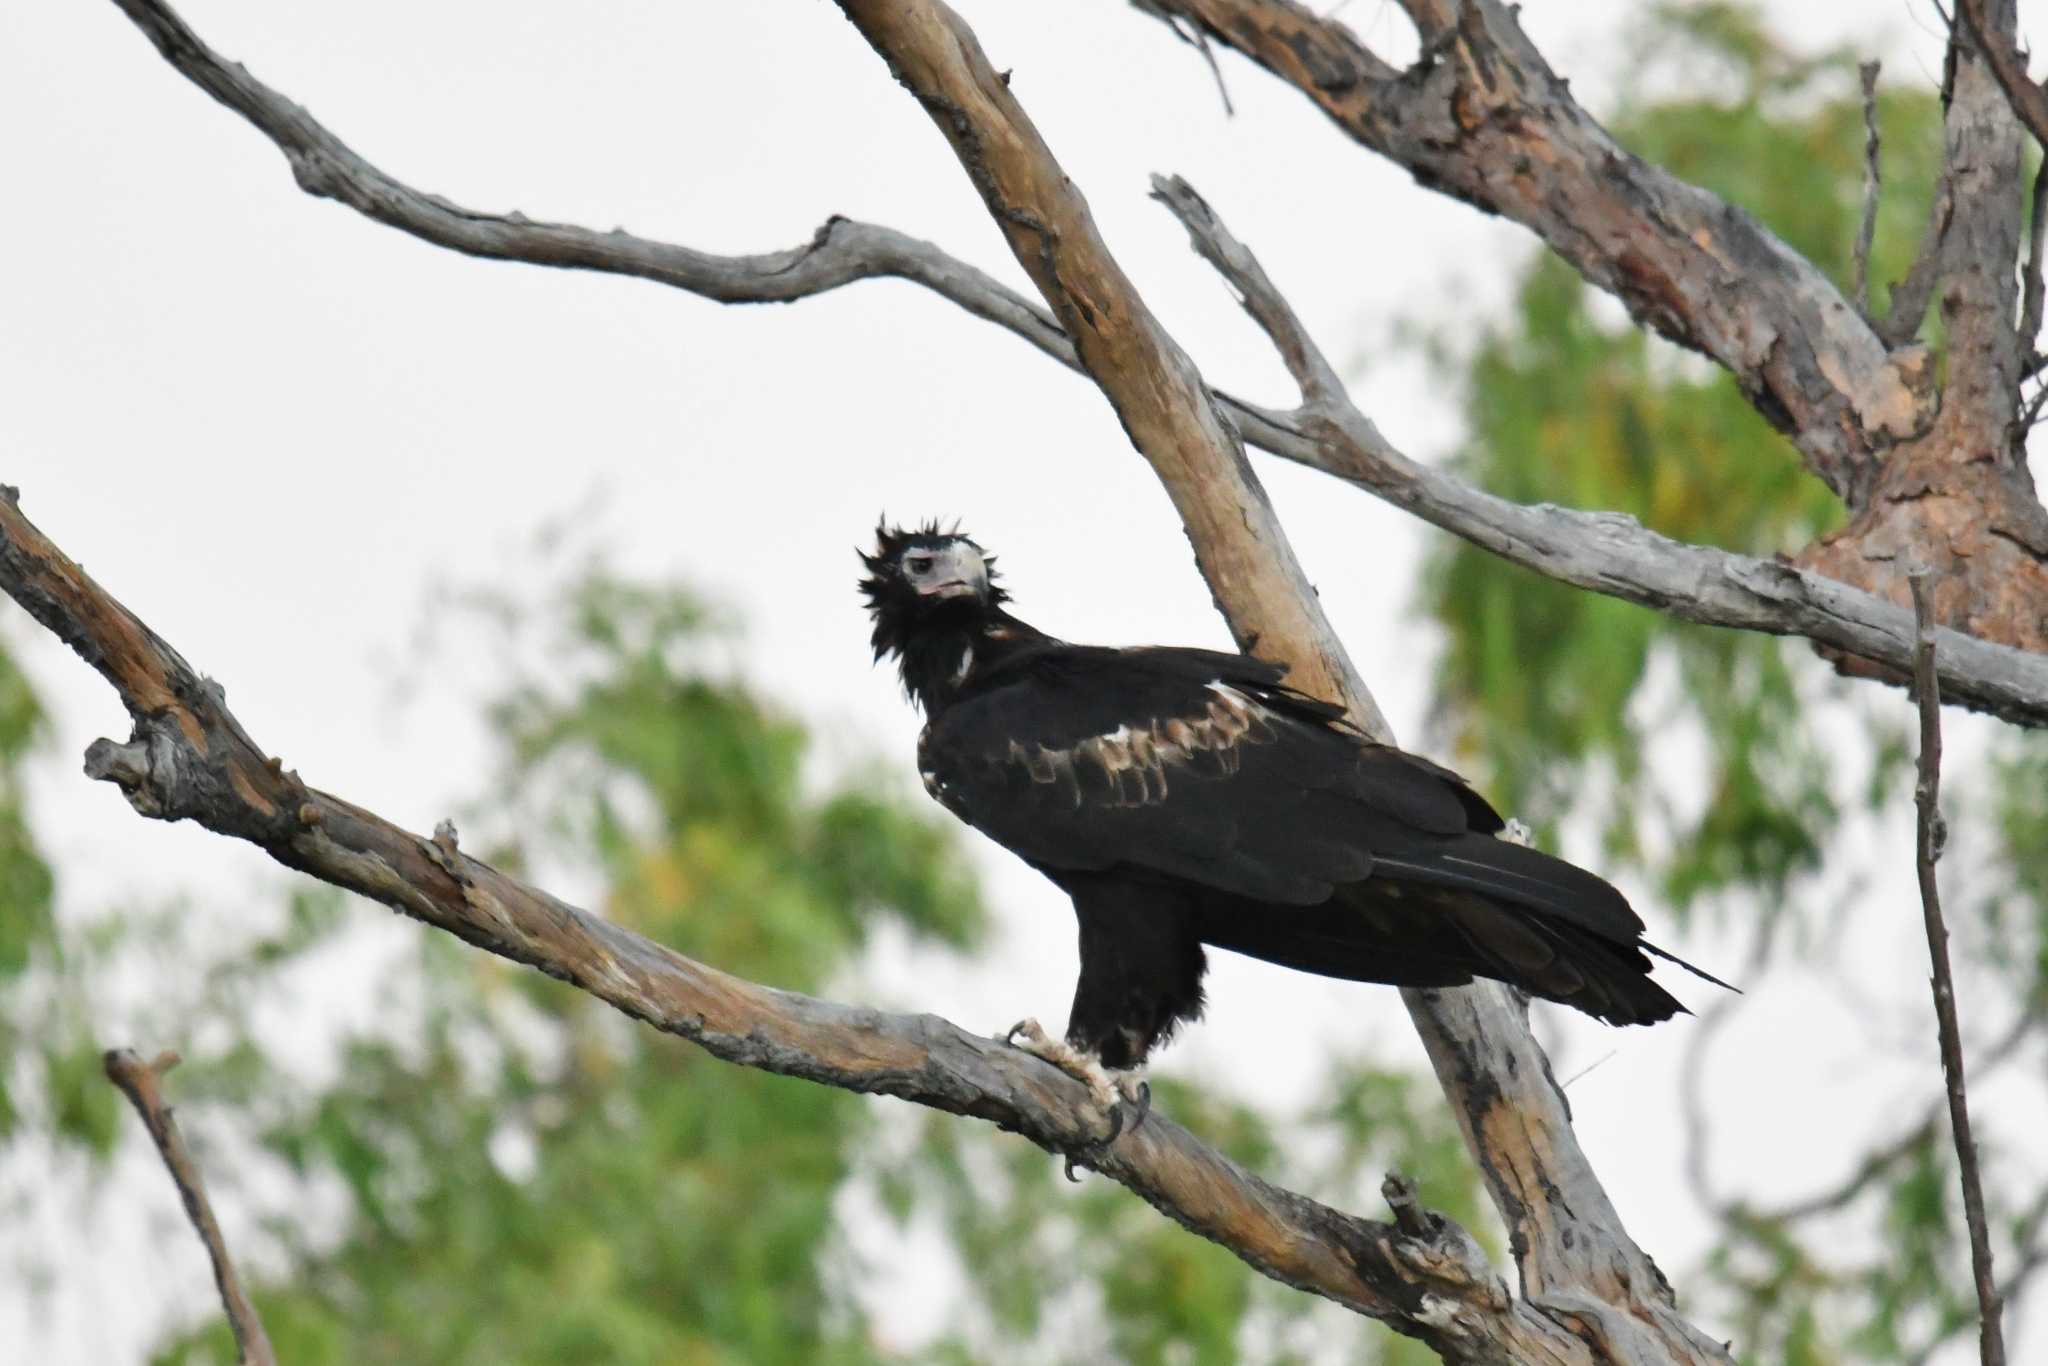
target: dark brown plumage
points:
(1185, 798)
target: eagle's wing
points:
(1182, 766)
(1204, 766)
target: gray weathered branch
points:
(1155, 389)
(142, 1083)
(189, 759)
(1483, 118)
(1873, 186)
(1602, 552)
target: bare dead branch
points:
(1483, 118)
(1932, 835)
(1873, 184)
(142, 1082)
(1981, 154)
(189, 759)
(1603, 552)
(841, 252)
(1196, 39)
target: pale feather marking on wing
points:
(1135, 762)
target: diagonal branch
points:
(1578, 1263)
(1155, 389)
(1591, 1279)
(189, 759)
(841, 252)
(142, 1082)
(1602, 552)
(1483, 118)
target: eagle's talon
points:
(1137, 1098)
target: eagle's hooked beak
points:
(957, 571)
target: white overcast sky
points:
(269, 425)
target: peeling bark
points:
(1959, 498)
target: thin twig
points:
(1932, 836)
(1873, 183)
(141, 1082)
(1196, 37)
(1912, 295)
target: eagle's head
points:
(925, 578)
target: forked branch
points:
(1482, 117)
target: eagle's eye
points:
(918, 564)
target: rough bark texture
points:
(1960, 497)
(1482, 117)
(1603, 552)
(188, 758)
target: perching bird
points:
(1185, 798)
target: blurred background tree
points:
(493, 1168)
(1734, 772)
